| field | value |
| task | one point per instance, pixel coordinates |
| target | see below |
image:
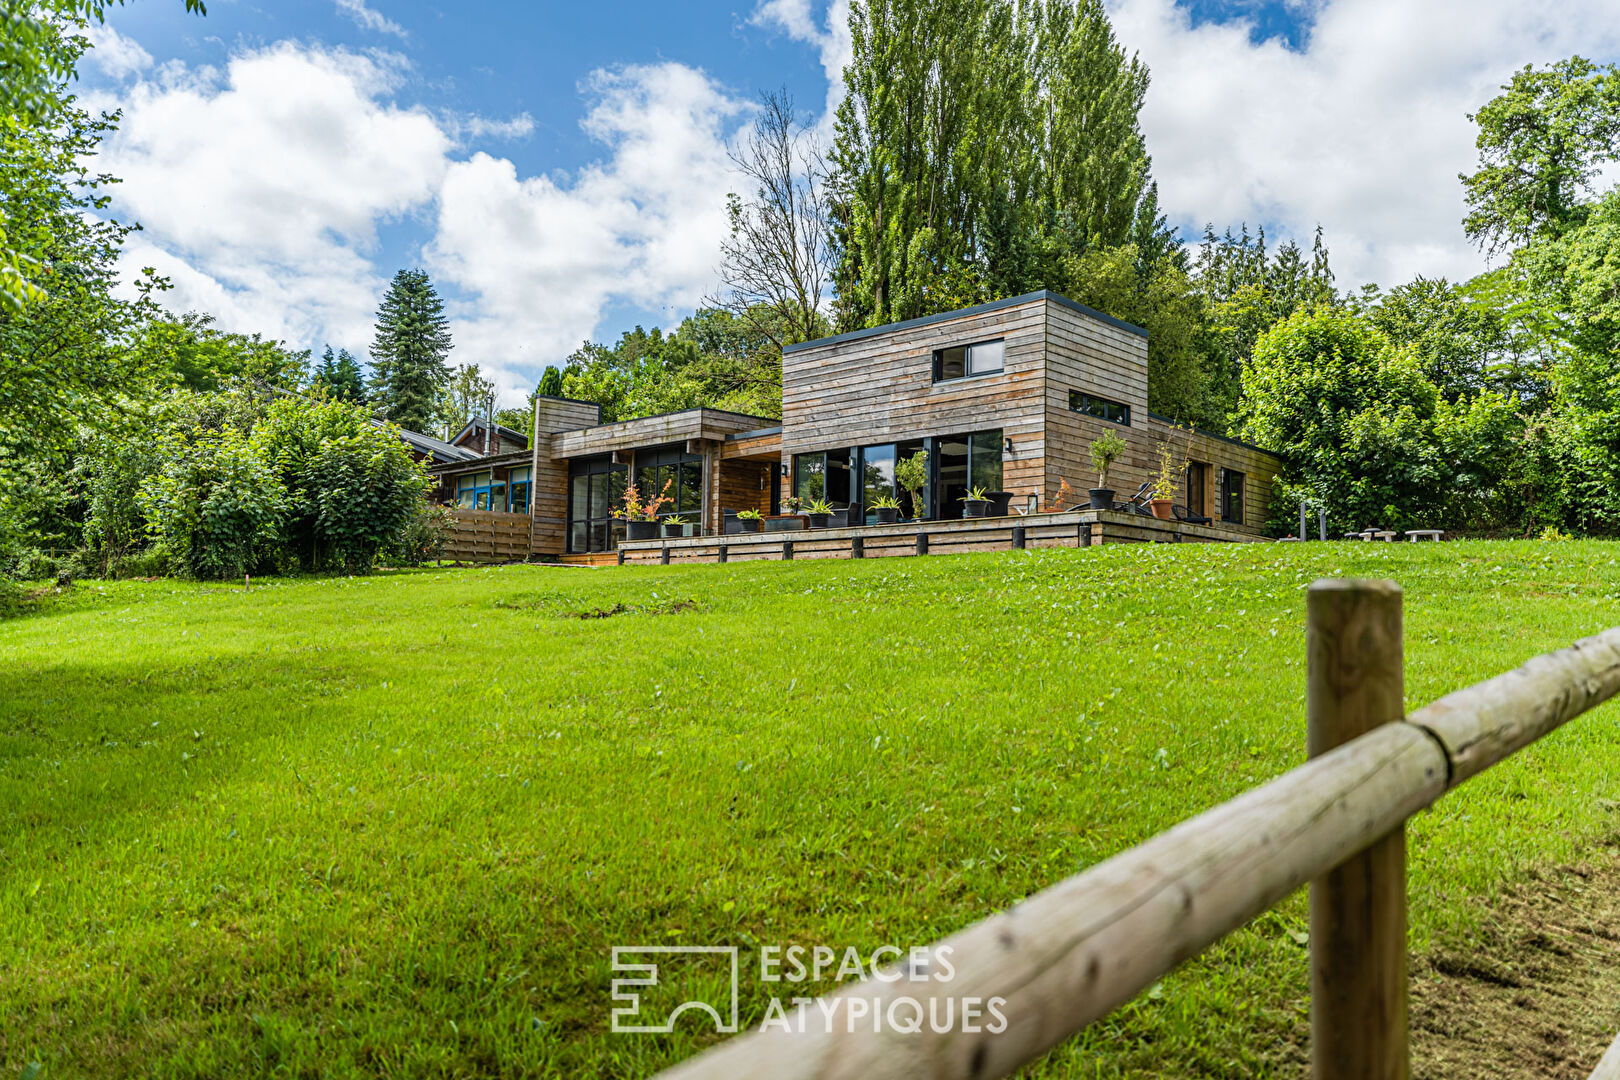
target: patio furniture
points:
(1414, 535)
(1386, 535)
(838, 519)
(1181, 513)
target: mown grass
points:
(395, 825)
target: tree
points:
(39, 52)
(777, 256)
(408, 354)
(551, 383)
(979, 144)
(205, 358)
(340, 377)
(1540, 144)
(468, 395)
(1461, 344)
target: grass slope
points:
(395, 825)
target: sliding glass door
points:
(595, 490)
(965, 462)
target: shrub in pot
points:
(974, 502)
(674, 526)
(1104, 452)
(886, 508)
(1166, 480)
(641, 518)
(911, 474)
(743, 521)
(818, 511)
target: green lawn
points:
(395, 825)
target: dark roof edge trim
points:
(756, 433)
(978, 309)
(1210, 434)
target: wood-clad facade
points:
(1007, 396)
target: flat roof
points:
(977, 309)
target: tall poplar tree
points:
(408, 354)
(980, 144)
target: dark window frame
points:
(1079, 399)
(1232, 483)
(939, 358)
(583, 469)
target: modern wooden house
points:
(1006, 396)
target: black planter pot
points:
(999, 503)
(673, 531)
(735, 526)
(974, 508)
(887, 515)
(641, 530)
(818, 521)
(1102, 498)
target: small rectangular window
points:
(962, 361)
(1232, 496)
(1115, 412)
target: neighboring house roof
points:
(478, 423)
(438, 449)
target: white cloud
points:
(261, 188)
(1364, 129)
(541, 257)
(829, 35)
(117, 56)
(369, 18)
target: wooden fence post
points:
(1018, 541)
(1354, 683)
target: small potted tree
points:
(818, 511)
(1166, 481)
(641, 518)
(887, 509)
(1104, 452)
(912, 475)
(974, 502)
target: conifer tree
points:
(340, 376)
(408, 354)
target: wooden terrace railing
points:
(1074, 952)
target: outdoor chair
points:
(1138, 503)
(1181, 513)
(838, 519)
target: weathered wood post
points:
(1354, 683)
(857, 547)
(922, 543)
(1018, 541)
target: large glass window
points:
(595, 490)
(518, 489)
(1091, 405)
(673, 473)
(965, 462)
(824, 475)
(877, 476)
(962, 361)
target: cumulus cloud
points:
(1363, 129)
(827, 32)
(539, 258)
(115, 55)
(262, 186)
(369, 18)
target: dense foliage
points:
(409, 372)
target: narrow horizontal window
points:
(1114, 412)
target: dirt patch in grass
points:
(1536, 994)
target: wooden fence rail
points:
(1074, 952)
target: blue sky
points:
(560, 167)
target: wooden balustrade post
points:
(1354, 683)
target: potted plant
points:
(641, 518)
(912, 475)
(791, 504)
(1104, 452)
(974, 502)
(1166, 480)
(818, 511)
(887, 509)
(674, 526)
(743, 521)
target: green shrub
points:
(148, 563)
(424, 537)
(217, 508)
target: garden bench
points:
(1386, 535)
(1415, 535)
